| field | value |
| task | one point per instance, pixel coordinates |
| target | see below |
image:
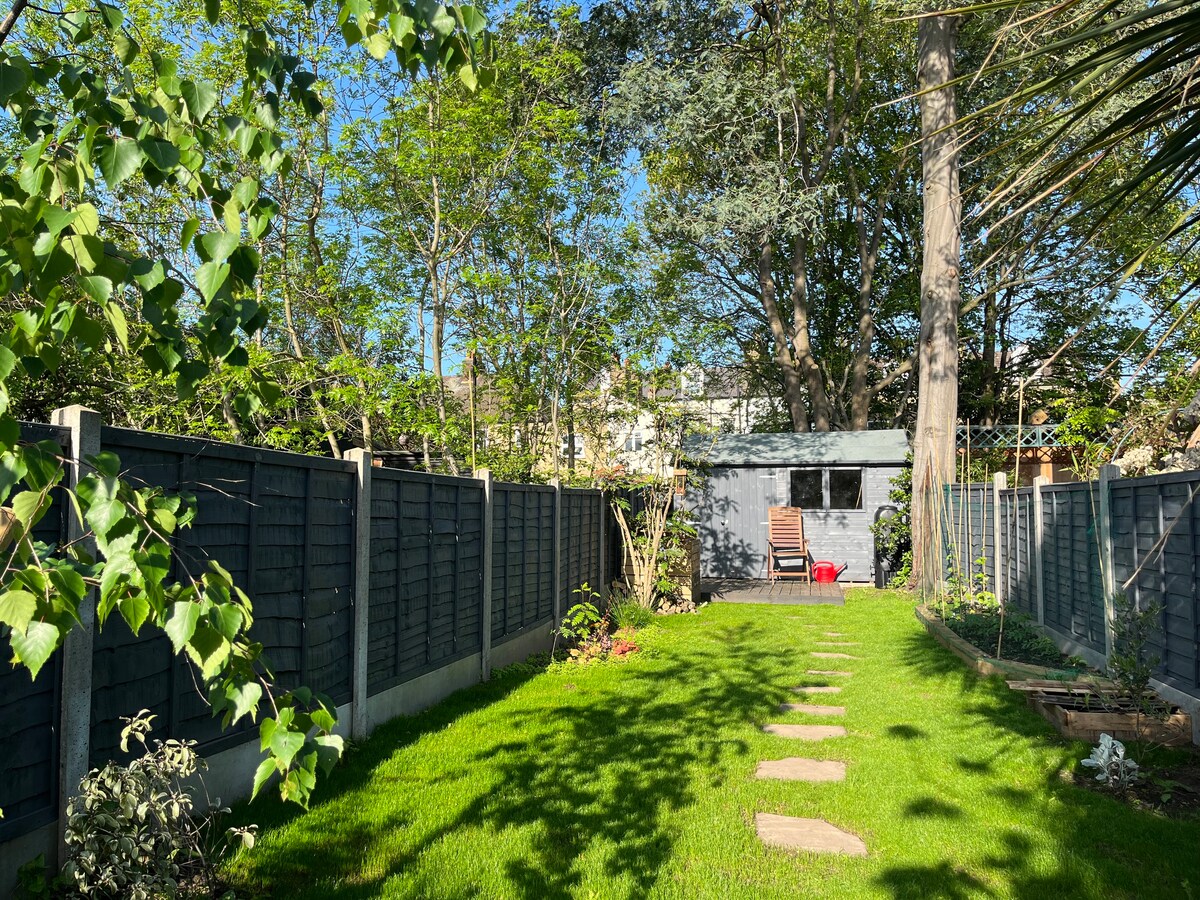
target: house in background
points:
(840, 479)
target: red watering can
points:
(825, 572)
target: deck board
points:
(784, 592)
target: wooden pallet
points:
(1085, 710)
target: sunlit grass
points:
(636, 779)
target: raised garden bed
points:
(982, 663)
(1084, 710)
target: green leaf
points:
(190, 227)
(379, 45)
(200, 98)
(17, 609)
(163, 155)
(12, 80)
(285, 745)
(120, 326)
(181, 623)
(265, 770)
(97, 287)
(35, 646)
(226, 618)
(104, 516)
(245, 699)
(210, 277)
(119, 160)
(212, 11)
(127, 48)
(134, 609)
(219, 245)
(28, 505)
(209, 649)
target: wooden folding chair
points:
(786, 543)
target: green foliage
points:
(133, 831)
(626, 612)
(984, 626)
(893, 535)
(582, 623)
(1131, 664)
(98, 121)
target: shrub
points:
(130, 830)
(626, 612)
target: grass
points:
(635, 779)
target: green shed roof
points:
(812, 448)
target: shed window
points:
(807, 489)
(826, 488)
(845, 489)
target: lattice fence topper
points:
(1006, 437)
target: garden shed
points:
(840, 479)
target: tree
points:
(99, 118)
(937, 400)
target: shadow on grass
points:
(1097, 846)
(590, 780)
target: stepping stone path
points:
(795, 768)
(815, 835)
(789, 832)
(806, 732)
(813, 709)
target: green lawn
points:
(636, 779)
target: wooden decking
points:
(750, 590)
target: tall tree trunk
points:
(793, 386)
(814, 378)
(937, 398)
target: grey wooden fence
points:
(426, 565)
(1057, 542)
(285, 526)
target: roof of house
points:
(812, 448)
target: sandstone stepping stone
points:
(806, 732)
(834, 656)
(834, 634)
(813, 709)
(815, 835)
(835, 644)
(818, 689)
(827, 672)
(796, 768)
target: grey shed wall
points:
(731, 508)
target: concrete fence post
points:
(603, 548)
(485, 625)
(75, 723)
(1039, 549)
(1104, 538)
(999, 483)
(360, 723)
(560, 602)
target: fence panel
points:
(580, 558)
(1074, 594)
(426, 584)
(1019, 577)
(1155, 552)
(969, 527)
(29, 709)
(283, 526)
(523, 576)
